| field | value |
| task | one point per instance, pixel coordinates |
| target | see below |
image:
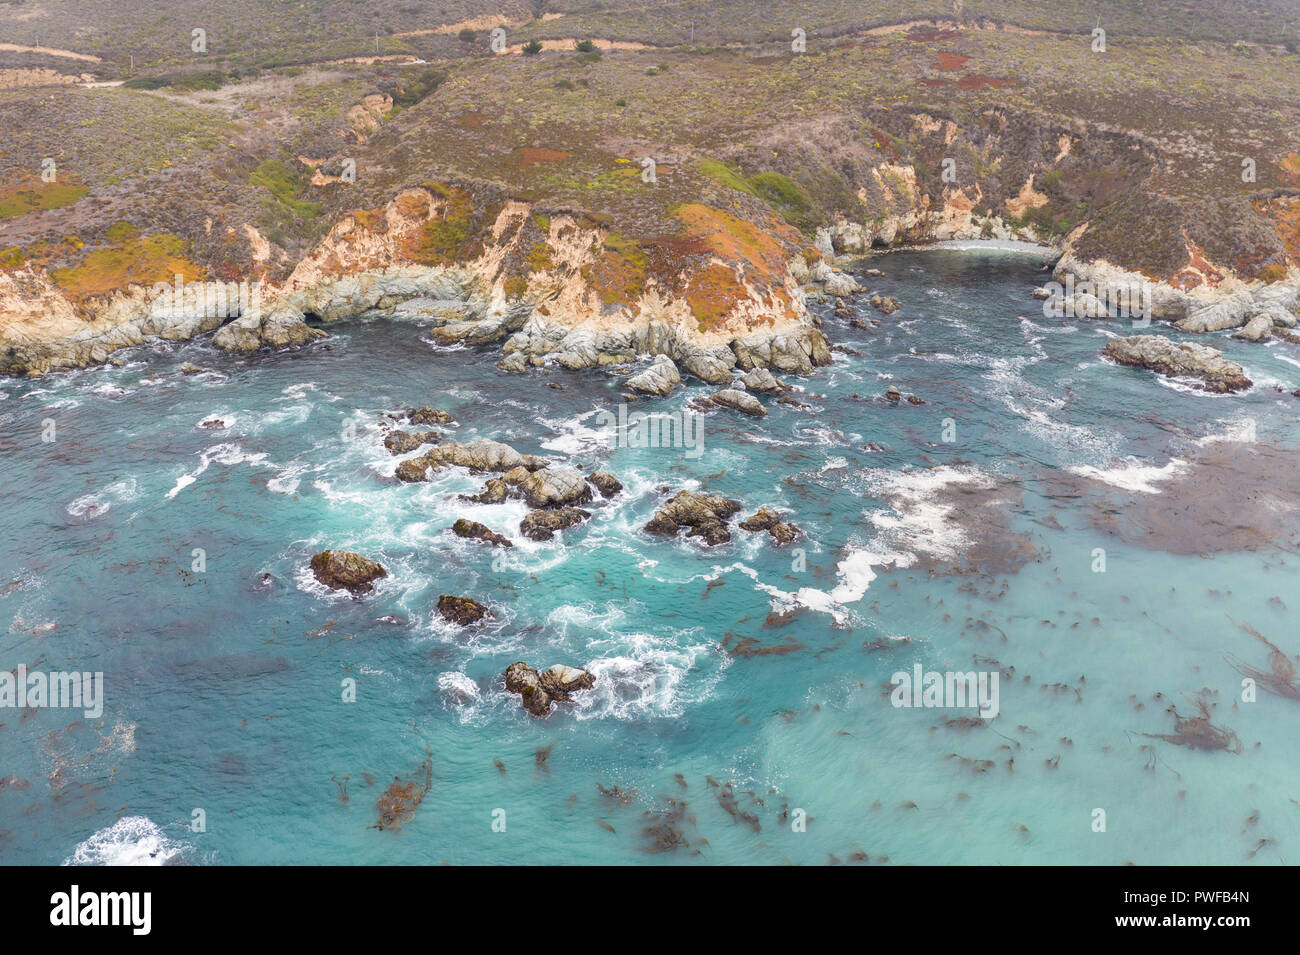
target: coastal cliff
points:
(547, 214)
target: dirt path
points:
(49, 51)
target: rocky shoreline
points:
(557, 319)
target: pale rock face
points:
(763, 381)
(659, 379)
(740, 401)
(1258, 329)
(1083, 305)
(1189, 360)
(554, 487)
(712, 364)
(1230, 313)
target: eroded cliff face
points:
(722, 285)
(480, 267)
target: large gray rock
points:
(480, 455)
(659, 379)
(555, 486)
(1175, 360)
(1258, 329)
(705, 514)
(740, 401)
(712, 364)
(541, 525)
(1229, 313)
(764, 382)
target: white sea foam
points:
(1133, 474)
(655, 678)
(1289, 361)
(100, 502)
(914, 523)
(224, 454)
(132, 840)
(1239, 430)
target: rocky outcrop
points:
(659, 379)
(705, 515)
(605, 483)
(427, 415)
(538, 691)
(404, 442)
(1179, 360)
(766, 519)
(883, 303)
(482, 455)
(762, 381)
(740, 401)
(1258, 328)
(462, 611)
(344, 570)
(555, 486)
(495, 491)
(473, 530)
(541, 525)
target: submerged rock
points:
(659, 379)
(740, 401)
(344, 570)
(537, 691)
(1171, 359)
(605, 483)
(704, 514)
(541, 525)
(462, 610)
(473, 530)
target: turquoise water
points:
(225, 696)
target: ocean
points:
(1099, 542)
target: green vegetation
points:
(286, 183)
(35, 196)
(532, 48)
(415, 89)
(127, 259)
(785, 195)
(184, 82)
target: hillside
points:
(528, 172)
